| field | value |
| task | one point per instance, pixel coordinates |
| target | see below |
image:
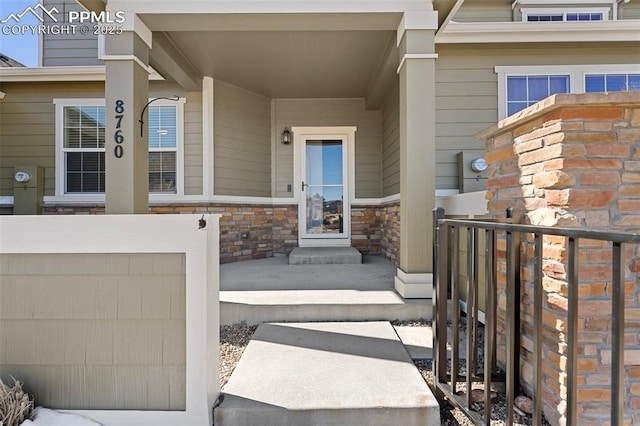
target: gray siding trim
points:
(332, 112)
(484, 11)
(629, 11)
(95, 331)
(242, 142)
(193, 166)
(488, 11)
(27, 129)
(391, 144)
(69, 49)
(467, 89)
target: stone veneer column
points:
(127, 92)
(416, 33)
(574, 161)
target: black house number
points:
(118, 137)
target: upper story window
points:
(523, 86)
(80, 138)
(565, 15)
(565, 10)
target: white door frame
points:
(347, 135)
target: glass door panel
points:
(324, 187)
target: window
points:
(162, 149)
(83, 149)
(544, 18)
(564, 15)
(522, 86)
(524, 91)
(612, 82)
(80, 136)
(584, 16)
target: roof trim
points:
(530, 32)
(268, 6)
(70, 73)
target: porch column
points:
(126, 93)
(416, 33)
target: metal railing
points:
(446, 272)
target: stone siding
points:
(365, 229)
(390, 231)
(573, 161)
(250, 231)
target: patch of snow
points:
(46, 417)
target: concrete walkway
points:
(326, 374)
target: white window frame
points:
(178, 150)
(577, 74)
(605, 74)
(538, 74)
(564, 11)
(60, 176)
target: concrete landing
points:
(326, 374)
(271, 290)
(325, 256)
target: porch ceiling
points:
(289, 64)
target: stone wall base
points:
(255, 231)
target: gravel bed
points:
(234, 339)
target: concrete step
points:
(258, 306)
(325, 256)
(326, 374)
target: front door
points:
(324, 191)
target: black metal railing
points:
(446, 293)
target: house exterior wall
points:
(391, 144)
(467, 89)
(331, 112)
(630, 11)
(242, 142)
(68, 49)
(193, 161)
(95, 331)
(484, 11)
(27, 129)
(572, 161)
(500, 11)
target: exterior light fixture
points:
(479, 165)
(286, 136)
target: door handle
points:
(303, 185)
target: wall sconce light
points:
(286, 136)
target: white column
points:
(414, 278)
(126, 93)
